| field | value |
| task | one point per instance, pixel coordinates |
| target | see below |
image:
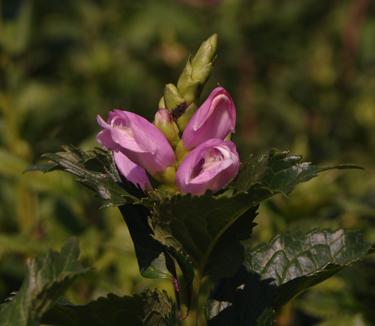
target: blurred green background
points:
(302, 74)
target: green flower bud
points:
(162, 103)
(197, 70)
(184, 119)
(181, 152)
(167, 177)
(164, 122)
(172, 98)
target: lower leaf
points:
(274, 273)
(146, 309)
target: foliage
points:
(301, 74)
(48, 276)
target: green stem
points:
(195, 317)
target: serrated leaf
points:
(146, 309)
(95, 169)
(198, 225)
(47, 278)
(296, 261)
(277, 172)
(201, 226)
(274, 273)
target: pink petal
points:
(131, 171)
(215, 118)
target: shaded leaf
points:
(274, 273)
(197, 225)
(150, 252)
(47, 278)
(228, 253)
(148, 308)
(206, 227)
(156, 260)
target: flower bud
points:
(184, 119)
(197, 70)
(210, 166)
(215, 118)
(138, 139)
(172, 98)
(164, 121)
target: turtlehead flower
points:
(215, 118)
(139, 141)
(210, 166)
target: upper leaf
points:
(151, 256)
(274, 273)
(146, 309)
(95, 169)
(207, 227)
(198, 224)
(277, 172)
(47, 278)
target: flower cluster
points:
(193, 160)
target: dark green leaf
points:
(228, 253)
(95, 169)
(294, 262)
(47, 278)
(277, 172)
(156, 260)
(274, 273)
(147, 309)
(150, 252)
(200, 226)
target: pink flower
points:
(142, 145)
(210, 166)
(131, 171)
(215, 118)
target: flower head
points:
(210, 166)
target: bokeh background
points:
(302, 73)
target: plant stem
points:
(194, 318)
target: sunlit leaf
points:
(47, 278)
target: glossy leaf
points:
(47, 278)
(295, 262)
(274, 273)
(148, 308)
(277, 172)
(206, 227)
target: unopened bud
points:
(172, 98)
(164, 122)
(181, 152)
(185, 118)
(197, 70)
